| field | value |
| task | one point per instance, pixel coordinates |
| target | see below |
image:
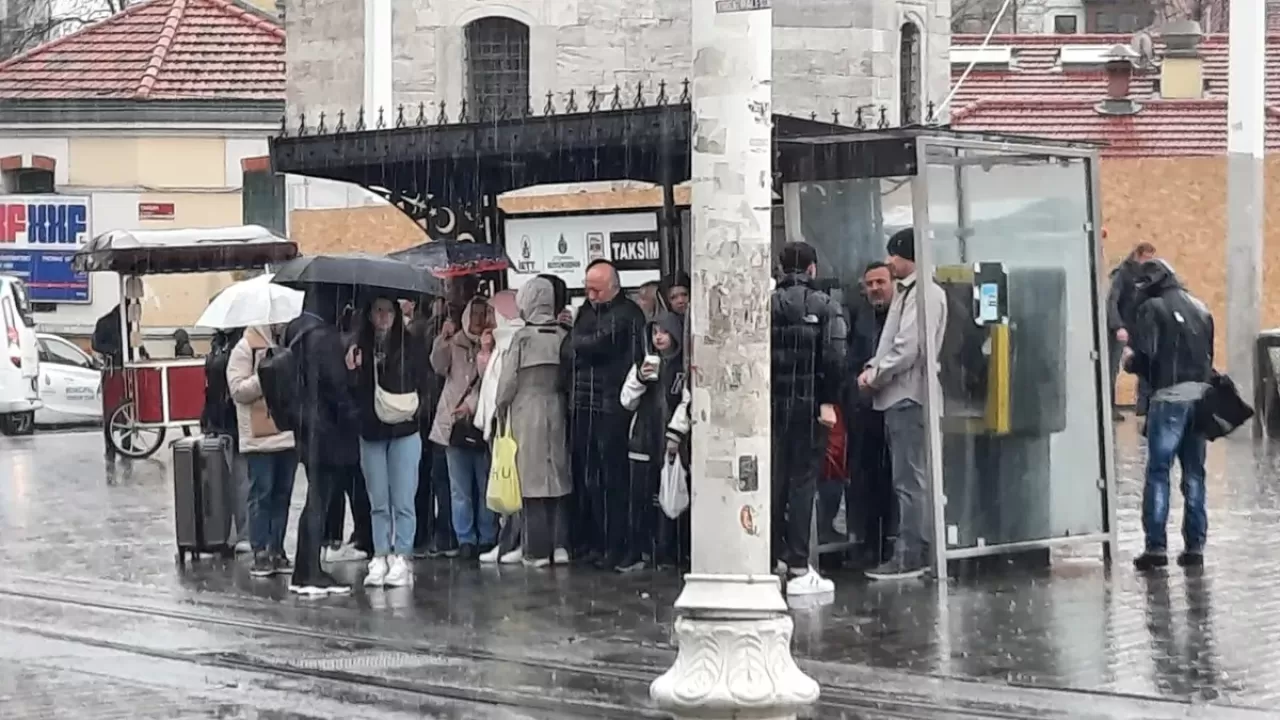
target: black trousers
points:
(601, 480)
(871, 507)
(348, 485)
(435, 515)
(635, 527)
(545, 527)
(322, 485)
(799, 450)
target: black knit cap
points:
(903, 244)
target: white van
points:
(20, 361)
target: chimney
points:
(1182, 69)
(1119, 68)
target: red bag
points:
(836, 466)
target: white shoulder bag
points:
(392, 408)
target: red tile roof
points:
(1036, 96)
(157, 50)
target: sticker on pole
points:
(732, 6)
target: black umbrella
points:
(452, 258)
(378, 272)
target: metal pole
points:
(1246, 93)
(732, 629)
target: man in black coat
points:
(1171, 347)
(326, 437)
(1123, 300)
(607, 339)
(870, 505)
(810, 344)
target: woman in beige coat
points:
(530, 398)
(270, 453)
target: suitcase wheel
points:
(181, 557)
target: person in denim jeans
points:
(269, 453)
(389, 453)
(1171, 347)
(460, 354)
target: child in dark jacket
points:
(657, 391)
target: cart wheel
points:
(130, 440)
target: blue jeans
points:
(1171, 433)
(468, 485)
(270, 490)
(391, 478)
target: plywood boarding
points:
(373, 228)
(1179, 205)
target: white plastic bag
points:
(673, 492)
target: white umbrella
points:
(256, 301)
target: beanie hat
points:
(903, 244)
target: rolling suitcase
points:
(201, 492)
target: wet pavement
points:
(95, 614)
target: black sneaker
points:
(280, 563)
(467, 552)
(322, 584)
(263, 564)
(896, 568)
(1150, 561)
(1191, 559)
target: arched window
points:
(909, 94)
(497, 68)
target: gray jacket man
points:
(896, 379)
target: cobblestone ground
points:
(1213, 637)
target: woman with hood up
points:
(460, 353)
(531, 399)
(656, 390)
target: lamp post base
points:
(733, 663)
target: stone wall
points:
(829, 55)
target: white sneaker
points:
(561, 556)
(491, 557)
(535, 562)
(344, 553)
(810, 583)
(377, 576)
(400, 573)
(513, 557)
(243, 547)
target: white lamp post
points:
(732, 629)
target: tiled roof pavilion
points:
(1036, 95)
(157, 50)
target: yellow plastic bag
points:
(503, 495)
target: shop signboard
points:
(564, 245)
(38, 236)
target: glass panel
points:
(848, 221)
(1021, 426)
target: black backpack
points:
(219, 415)
(280, 375)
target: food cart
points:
(143, 398)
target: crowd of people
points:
(395, 406)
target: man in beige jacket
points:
(896, 378)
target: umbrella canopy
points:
(256, 301)
(377, 272)
(451, 258)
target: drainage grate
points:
(353, 661)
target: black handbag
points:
(465, 434)
(1221, 410)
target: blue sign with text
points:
(48, 275)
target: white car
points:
(19, 365)
(70, 383)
